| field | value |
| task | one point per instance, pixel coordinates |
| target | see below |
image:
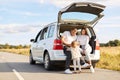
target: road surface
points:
(17, 67)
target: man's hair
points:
(72, 29)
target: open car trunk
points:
(91, 34)
(81, 8)
(81, 15)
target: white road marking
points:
(18, 75)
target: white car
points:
(47, 46)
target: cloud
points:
(63, 3)
(18, 28)
(11, 1)
(109, 25)
(5, 2)
(18, 12)
(110, 22)
(28, 13)
(116, 18)
(113, 3)
(42, 1)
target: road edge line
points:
(18, 75)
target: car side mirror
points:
(32, 40)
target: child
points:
(76, 54)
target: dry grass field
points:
(110, 50)
(110, 57)
(16, 51)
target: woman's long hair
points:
(85, 31)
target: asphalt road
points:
(17, 67)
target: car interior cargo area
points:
(90, 33)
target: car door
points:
(42, 42)
(50, 37)
(35, 49)
(82, 7)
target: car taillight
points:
(57, 45)
(97, 45)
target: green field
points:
(110, 57)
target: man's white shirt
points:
(68, 38)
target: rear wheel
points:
(47, 62)
(31, 61)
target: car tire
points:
(31, 61)
(47, 62)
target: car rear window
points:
(78, 16)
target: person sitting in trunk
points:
(84, 43)
(67, 38)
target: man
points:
(67, 38)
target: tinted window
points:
(44, 33)
(51, 31)
(38, 36)
(78, 16)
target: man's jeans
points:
(68, 57)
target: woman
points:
(84, 43)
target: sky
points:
(21, 20)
